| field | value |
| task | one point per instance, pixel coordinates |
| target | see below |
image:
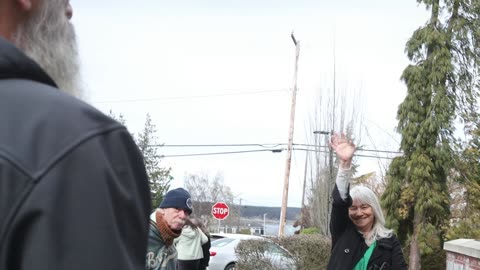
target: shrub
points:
(311, 230)
(308, 252)
(245, 231)
(252, 256)
(435, 260)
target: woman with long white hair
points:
(360, 240)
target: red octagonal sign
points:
(220, 210)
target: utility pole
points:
(264, 225)
(302, 210)
(283, 212)
(239, 215)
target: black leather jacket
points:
(73, 189)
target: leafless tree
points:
(331, 115)
(206, 191)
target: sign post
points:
(220, 210)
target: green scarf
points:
(363, 263)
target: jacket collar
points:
(14, 64)
(382, 244)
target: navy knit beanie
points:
(177, 198)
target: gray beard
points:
(49, 38)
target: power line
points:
(221, 153)
(269, 145)
(277, 150)
(357, 155)
(265, 145)
(189, 97)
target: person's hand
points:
(344, 149)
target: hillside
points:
(250, 211)
(273, 213)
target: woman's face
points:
(362, 216)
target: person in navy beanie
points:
(166, 224)
(177, 198)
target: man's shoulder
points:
(26, 97)
(39, 122)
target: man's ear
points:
(25, 5)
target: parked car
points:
(223, 257)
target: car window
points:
(221, 242)
(273, 248)
(216, 236)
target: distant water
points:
(256, 227)
(272, 229)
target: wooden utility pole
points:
(283, 212)
(239, 216)
(302, 210)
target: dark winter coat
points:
(73, 189)
(206, 254)
(348, 245)
(159, 255)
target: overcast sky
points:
(220, 72)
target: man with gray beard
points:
(73, 188)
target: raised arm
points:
(341, 201)
(343, 148)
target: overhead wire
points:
(189, 97)
(269, 145)
(265, 145)
(219, 153)
(277, 150)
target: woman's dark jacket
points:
(206, 254)
(348, 245)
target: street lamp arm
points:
(294, 39)
(322, 132)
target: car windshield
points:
(221, 242)
(273, 248)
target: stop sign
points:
(220, 210)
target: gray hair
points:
(48, 37)
(365, 195)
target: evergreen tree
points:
(159, 178)
(118, 118)
(441, 82)
(466, 221)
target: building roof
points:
(468, 247)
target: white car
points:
(223, 257)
